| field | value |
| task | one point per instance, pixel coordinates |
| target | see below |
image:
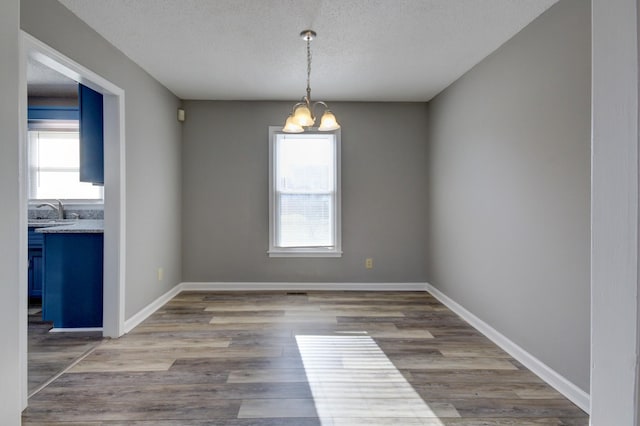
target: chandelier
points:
(303, 114)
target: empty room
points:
(412, 212)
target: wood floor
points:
(322, 358)
(50, 353)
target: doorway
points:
(114, 186)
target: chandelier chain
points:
(308, 69)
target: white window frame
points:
(274, 250)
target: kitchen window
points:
(54, 166)
(304, 196)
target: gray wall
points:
(225, 194)
(152, 149)
(509, 189)
(48, 101)
(10, 368)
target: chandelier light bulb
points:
(328, 122)
(290, 126)
(302, 116)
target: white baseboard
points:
(295, 286)
(555, 380)
(74, 330)
(146, 312)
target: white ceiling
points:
(45, 82)
(366, 50)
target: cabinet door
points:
(35, 273)
(30, 274)
(73, 273)
(91, 135)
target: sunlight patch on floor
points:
(351, 377)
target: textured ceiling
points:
(366, 50)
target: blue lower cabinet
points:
(35, 273)
(72, 286)
(35, 264)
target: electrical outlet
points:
(160, 274)
(368, 263)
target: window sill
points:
(304, 253)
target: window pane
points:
(58, 150)
(65, 185)
(305, 165)
(54, 167)
(305, 184)
(305, 220)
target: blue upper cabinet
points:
(91, 136)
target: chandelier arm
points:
(313, 108)
(304, 102)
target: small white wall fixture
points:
(114, 184)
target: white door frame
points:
(615, 213)
(114, 184)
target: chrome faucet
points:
(59, 208)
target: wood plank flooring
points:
(322, 358)
(50, 353)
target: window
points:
(54, 166)
(304, 198)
